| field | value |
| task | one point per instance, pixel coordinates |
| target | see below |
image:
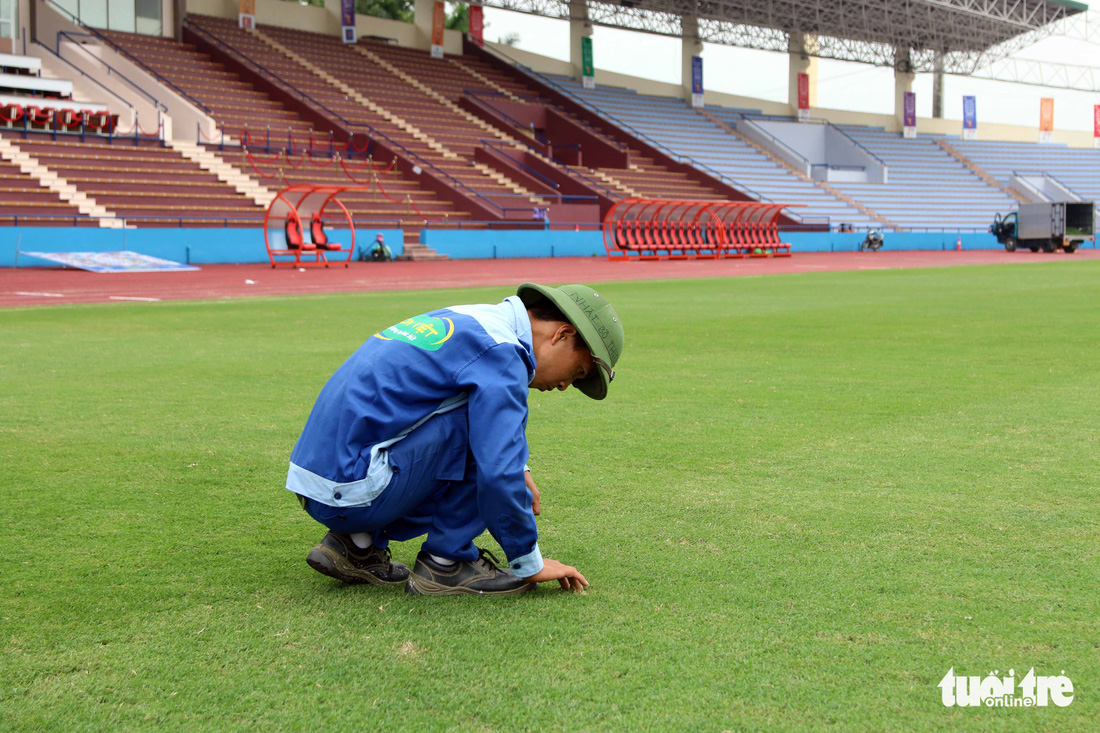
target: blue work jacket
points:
(477, 355)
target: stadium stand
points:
(676, 126)
(645, 176)
(279, 137)
(366, 92)
(927, 188)
(24, 201)
(146, 184)
(1076, 170)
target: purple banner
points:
(910, 109)
(970, 113)
(347, 13)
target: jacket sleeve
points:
(497, 385)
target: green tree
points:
(392, 9)
(459, 18)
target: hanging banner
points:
(1096, 126)
(246, 14)
(439, 16)
(1046, 120)
(970, 118)
(347, 21)
(588, 70)
(477, 24)
(909, 117)
(696, 81)
(803, 96)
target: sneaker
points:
(482, 577)
(338, 557)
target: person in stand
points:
(422, 431)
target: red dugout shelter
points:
(656, 229)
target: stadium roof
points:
(962, 34)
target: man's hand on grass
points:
(567, 576)
(535, 505)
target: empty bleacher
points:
(927, 188)
(232, 101)
(146, 184)
(1076, 169)
(269, 128)
(674, 125)
(24, 201)
(400, 111)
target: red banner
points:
(1046, 114)
(477, 24)
(1096, 121)
(438, 17)
(803, 91)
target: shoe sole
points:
(419, 586)
(328, 562)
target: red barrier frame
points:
(665, 229)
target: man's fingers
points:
(564, 583)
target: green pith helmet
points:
(595, 320)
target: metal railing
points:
(637, 133)
(111, 71)
(858, 144)
(836, 167)
(119, 49)
(515, 63)
(568, 170)
(516, 123)
(777, 142)
(90, 78)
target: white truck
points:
(1047, 226)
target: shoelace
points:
(490, 562)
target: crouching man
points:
(423, 432)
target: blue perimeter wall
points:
(190, 246)
(218, 246)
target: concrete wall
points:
(191, 246)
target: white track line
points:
(127, 297)
(43, 295)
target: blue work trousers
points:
(433, 491)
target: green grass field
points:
(806, 499)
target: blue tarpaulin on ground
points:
(112, 261)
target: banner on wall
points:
(803, 96)
(439, 16)
(246, 14)
(347, 21)
(1046, 120)
(1096, 126)
(477, 24)
(588, 69)
(909, 114)
(970, 118)
(696, 81)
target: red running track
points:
(51, 286)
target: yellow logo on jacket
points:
(423, 331)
